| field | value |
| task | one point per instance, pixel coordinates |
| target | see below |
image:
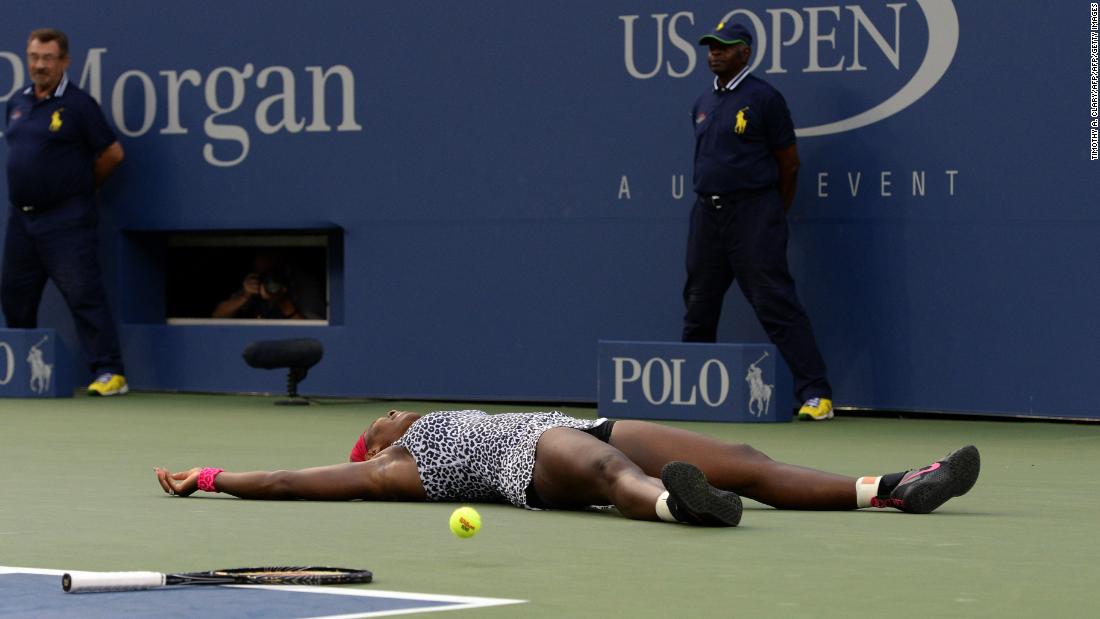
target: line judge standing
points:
(60, 149)
(746, 167)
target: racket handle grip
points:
(76, 582)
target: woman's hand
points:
(183, 483)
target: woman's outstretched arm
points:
(391, 476)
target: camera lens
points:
(272, 285)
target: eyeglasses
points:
(46, 58)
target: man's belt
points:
(717, 201)
(31, 209)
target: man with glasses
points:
(746, 168)
(60, 149)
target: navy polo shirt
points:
(53, 144)
(737, 130)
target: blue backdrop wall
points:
(511, 183)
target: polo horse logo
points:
(742, 122)
(55, 120)
(41, 372)
(760, 395)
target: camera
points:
(272, 284)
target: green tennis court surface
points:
(77, 491)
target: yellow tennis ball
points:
(465, 522)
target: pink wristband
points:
(206, 479)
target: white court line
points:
(457, 602)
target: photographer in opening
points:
(267, 292)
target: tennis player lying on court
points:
(550, 460)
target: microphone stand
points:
(293, 377)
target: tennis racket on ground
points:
(78, 582)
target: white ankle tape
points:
(663, 511)
(866, 489)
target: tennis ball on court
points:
(465, 522)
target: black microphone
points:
(297, 354)
(293, 353)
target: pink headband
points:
(359, 452)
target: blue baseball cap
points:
(727, 34)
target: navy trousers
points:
(60, 244)
(743, 237)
